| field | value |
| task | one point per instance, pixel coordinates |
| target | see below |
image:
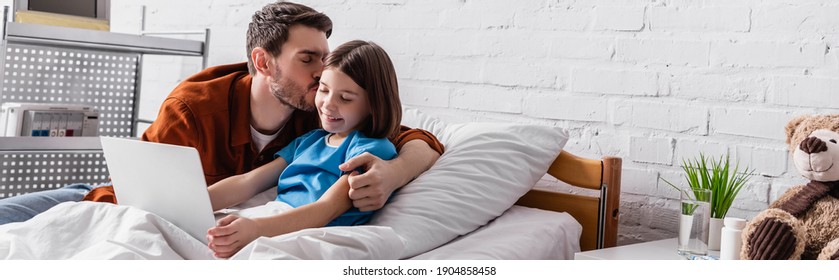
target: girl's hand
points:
(231, 234)
(370, 191)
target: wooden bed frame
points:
(599, 216)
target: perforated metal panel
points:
(104, 80)
(24, 172)
(43, 74)
(49, 64)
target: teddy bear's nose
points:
(813, 145)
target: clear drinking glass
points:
(695, 220)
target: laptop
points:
(163, 179)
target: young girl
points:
(359, 108)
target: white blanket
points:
(86, 230)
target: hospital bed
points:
(478, 202)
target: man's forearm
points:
(414, 158)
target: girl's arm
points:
(236, 189)
(334, 202)
(233, 232)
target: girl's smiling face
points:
(341, 103)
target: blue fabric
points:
(23, 207)
(313, 168)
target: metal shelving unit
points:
(49, 64)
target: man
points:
(238, 116)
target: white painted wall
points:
(649, 81)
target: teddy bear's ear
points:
(792, 125)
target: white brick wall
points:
(650, 81)
(767, 54)
(750, 122)
(677, 117)
(811, 17)
(766, 161)
(732, 87)
(554, 105)
(688, 149)
(700, 19)
(588, 47)
(488, 98)
(619, 18)
(625, 82)
(805, 92)
(651, 150)
(413, 94)
(669, 52)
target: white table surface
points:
(654, 250)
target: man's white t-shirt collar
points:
(262, 140)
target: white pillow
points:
(416, 119)
(485, 169)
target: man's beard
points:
(289, 93)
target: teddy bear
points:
(803, 223)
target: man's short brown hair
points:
(269, 27)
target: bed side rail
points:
(600, 215)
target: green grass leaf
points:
(718, 175)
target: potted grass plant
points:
(725, 182)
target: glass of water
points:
(695, 220)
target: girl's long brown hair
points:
(370, 67)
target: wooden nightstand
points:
(653, 250)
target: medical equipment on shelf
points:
(48, 120)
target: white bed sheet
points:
(521, 233)
(86, 230)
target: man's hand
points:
(370, 191)
(231, 234)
